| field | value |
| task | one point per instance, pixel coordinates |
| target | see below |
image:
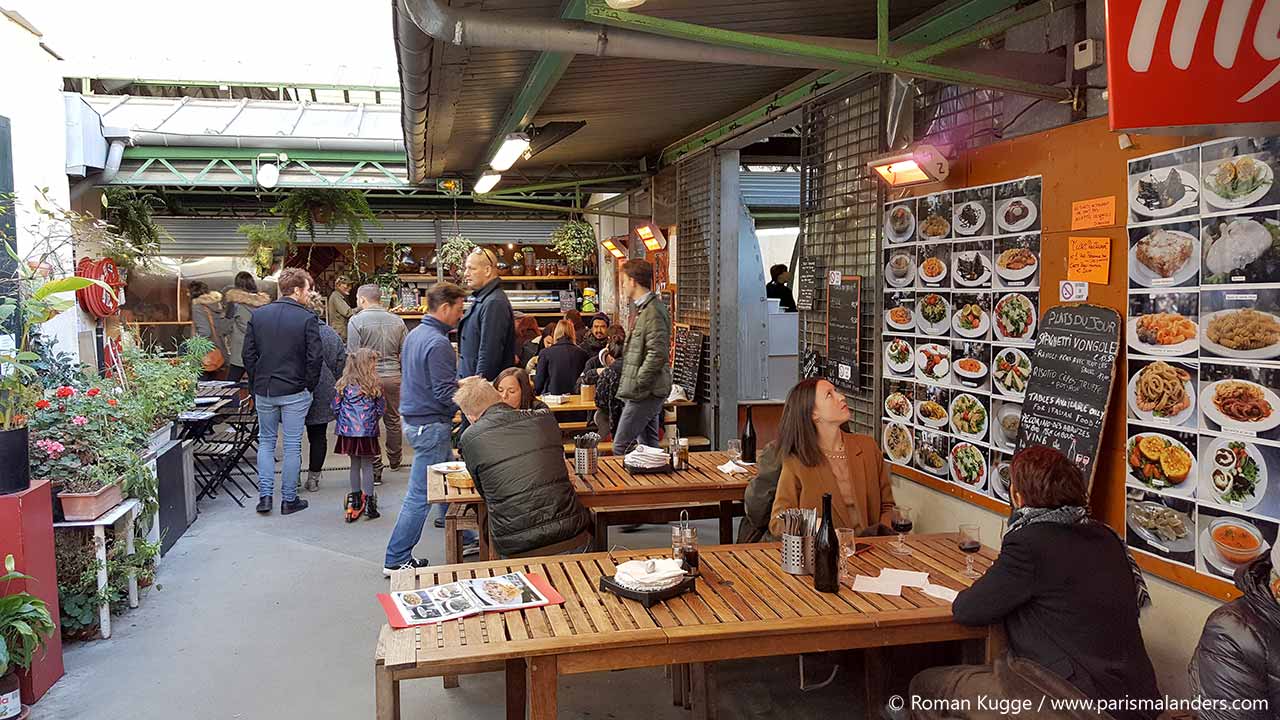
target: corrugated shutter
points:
(199, 237)
(698, 254)
(770, 189)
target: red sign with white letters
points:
(1193, 62)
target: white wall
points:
(1170, 627)
(776, 246)
(31, 97)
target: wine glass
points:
(901, 523)
(970, 541)
(734, 449)
(848, 539)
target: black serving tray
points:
(652, 597)
(648, 471)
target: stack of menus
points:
(438, 603)
(961, 299)
(1203, 331)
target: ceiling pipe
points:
(115, 154)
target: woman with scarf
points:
(1068, 594)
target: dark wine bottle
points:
(826, 552)
(749, 439)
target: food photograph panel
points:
(1162, 460)
(1234, 475)
(972, 212)
(968, 465)
(1241, 248)
(1165, 255)
(1226, 542)
(900, 266)
(1010, 371)
(1240, 399)
(970, 414)
(971, 365)
(1017, 261)
(1162, 392)
(934, 270)
(934, 217)
(971, 315)
(900, 222)
(897, 441)
(1240, 324)
(1239, 173)
(899, 311)
(933, 360)
(1001, 473)
(1164, 324)
(971, 264)
(931, 452)
(1006, 420)
(1014, 317)
(933, 314)
(1161, 525)
(932, 403)
(1164, 186)
(899, 400)
(1017, 206)
(899, 357)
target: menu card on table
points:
(515, 591)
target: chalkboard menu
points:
(843, 319)
(1070, 385)
(806, 282)
(686, 366)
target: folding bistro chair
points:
(220, 455)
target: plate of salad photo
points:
(933, 314)
(1236, 472)
(968, 466)
(897, 355)
(1015, 318)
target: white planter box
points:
(159, 438)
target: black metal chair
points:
(219, 456)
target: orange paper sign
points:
(1089, 259)
(1093, 213)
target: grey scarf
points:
(1075, 515)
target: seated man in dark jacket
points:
(517, 461)
(1068, 594)
(1239, 652)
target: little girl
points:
(359, 406)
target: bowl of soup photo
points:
(1236, 540)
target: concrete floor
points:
(274, 618)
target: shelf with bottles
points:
(416, 277)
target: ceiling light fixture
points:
(486, 182)
(513, 146)
(921, 165)
(652, 237)
(624, 4)
(615, 247)
(267, 174)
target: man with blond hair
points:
(383, 332)
(517, 462)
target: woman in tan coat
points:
(820, 457)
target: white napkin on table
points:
(647, 457)
(864, 583)
(732, 468)
(656, 572)
(941, 592)
(905, 578)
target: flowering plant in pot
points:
(25, 627)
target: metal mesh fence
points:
(698, 255)
(959, 118)
(839, 224)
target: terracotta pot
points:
(78, 507)
(15, 461)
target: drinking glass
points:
(848, 538)
(734, 449)
(970, 541)
(902, 522)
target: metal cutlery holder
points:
(797, 554)
(585, 460)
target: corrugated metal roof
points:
(770, 189)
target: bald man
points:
(487, 335)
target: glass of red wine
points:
(901, 523)
(970, 540)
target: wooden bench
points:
(458, 520)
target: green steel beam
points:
(219, 153)
(986, 30)
(565, 184)
(598, 11)
(567, 209)
(950, 18)
(540, 79)
(882, 28)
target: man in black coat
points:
(517, 461)
(282, 357)
(487, 334)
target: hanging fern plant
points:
(265, 243)
(136, 241)
(306, 208)
(575, 241)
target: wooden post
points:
(543, 677)
(704, 695)
(517, 691)
(726, 522)
(386, 694)
(873, 662)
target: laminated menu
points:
(463, 598)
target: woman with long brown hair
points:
(517, 391)
(560, 365)
(359, 406)
(819, 457)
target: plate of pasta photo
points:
(1162, 393)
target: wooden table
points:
(744, 606)
(575, 403)
(119, 518)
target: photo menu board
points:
(961, 300)
(1203, 332)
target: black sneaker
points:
(264, 504)
(471, 548)
(410, 564)
(289, 507)
(371, 507)
(438, 522)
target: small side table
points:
(126, 512)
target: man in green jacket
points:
(646, 370)
(339, 311)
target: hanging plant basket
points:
(574, 241)
(454, 251)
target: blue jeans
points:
(430, 445)
(638, 421)
(291, 412)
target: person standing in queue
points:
(646, 368)
(242, 299)
(282, 355)
(487, 335)
(339, 310)
(383, 332)
(333, 362)
(426, 404)
(777, 289)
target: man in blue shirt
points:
(487, 334)
(430, 378)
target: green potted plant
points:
(305, 208)
(136, 240)
(267, 242)
(575, 241)
(453, 253)
(25, 627)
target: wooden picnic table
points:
(576, 403)
(744, 606)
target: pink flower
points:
(79, 420)
(52, 447)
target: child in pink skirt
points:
(359, 406)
